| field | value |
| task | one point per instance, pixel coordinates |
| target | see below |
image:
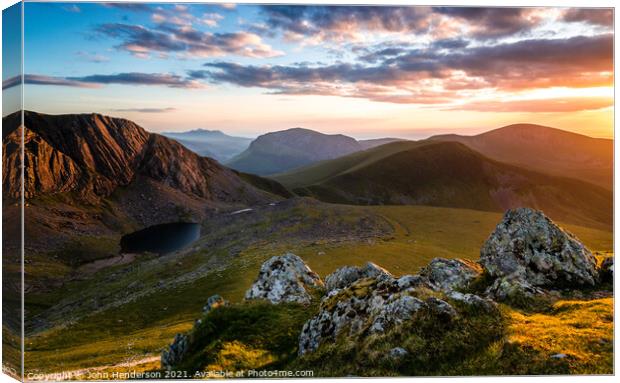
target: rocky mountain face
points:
(92, 155)
(546, 150)
(281, 151)
(527, 256)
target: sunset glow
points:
(363, 71)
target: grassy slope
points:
(259, 336)
(528, 145)
(145, 325)
(451, 175)
(583, 330)
(323, 170)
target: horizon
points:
(363, 71)
(476, 131)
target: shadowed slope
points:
(452, 175)
(546, 150)
(288, 149)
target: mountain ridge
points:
(107, 153)
(283, 150)
(211, 143)
(545, 149)
(450, 174)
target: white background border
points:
(566, 3)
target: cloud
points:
(551, 105)
(92, 57)
(134, 7)
(211, 19)
(595, 16)
(493, 22)
(72, 8)
(11, 82)
(343, 22)
(186, 41)
(136, 78)
(97, 80)
(146, 110)
(34, 79)
(400, 75)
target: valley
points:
(131, 232)
(166, 293)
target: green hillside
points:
(452, 175)
(545, 149)
(321, 171)
(135, 321)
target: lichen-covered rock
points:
(346, 275)
(451, 274)
(413, 281)
(441, 309)
(390, 312)
(369, 305)
(284, 278)
(175, 352)
(512, 286)
(526, 245)
(214, 302)
(473, 300)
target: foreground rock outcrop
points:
(451, 274)
(393, 319)
(175, 352)
(369, 305)
(284, 278)
(346, 275)
(607, 269)
(527, 252)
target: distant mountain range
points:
(448, 174)
(547, 150)
(281, 151)
(211, 143)
(93, 158)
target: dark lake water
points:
(161, 239)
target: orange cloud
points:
(551, 105)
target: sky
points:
(364, 71)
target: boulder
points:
(413, 281)
(451, 274)
(284, 278)
(527, 250)
(346, 275)
(441, 309)
(512, 286)
(367, 306)
(607, 269)
(175, 352)
(473, 300)
(214, 302)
